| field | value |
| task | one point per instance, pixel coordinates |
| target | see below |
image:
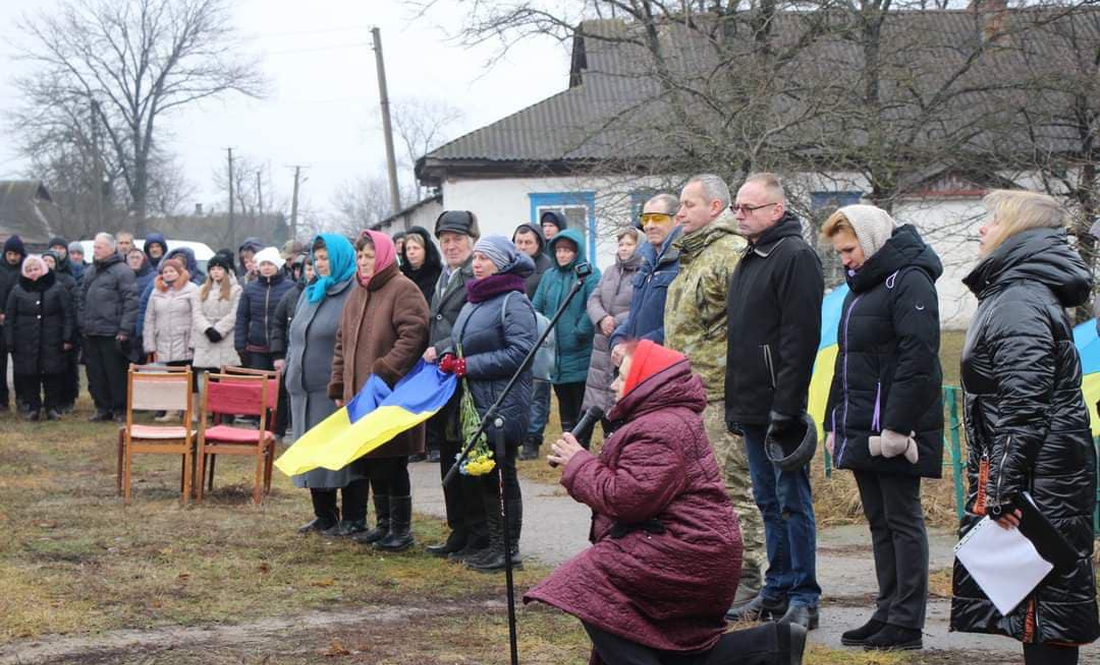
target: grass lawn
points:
(226, 581)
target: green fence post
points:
(951, 395)
(828, 460)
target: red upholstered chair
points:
(252, 393)
(158, 388)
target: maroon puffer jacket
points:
(668, 590)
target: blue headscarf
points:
(341, 260)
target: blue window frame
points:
(578, 207)
(833, 200)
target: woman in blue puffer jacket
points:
(495, 330)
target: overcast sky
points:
(323, 111)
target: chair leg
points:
(126, 470)
(267, 470)
(210, 485)
(200, 462)
(121, 452)
(258, 487)
(185, 491)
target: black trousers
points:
(266, 361)
(761, 645)
(106, 373)
(1049, 654)
(355, 501)
(570, 397)
(892, 506)
(4, 394)
(389, 476)
(70, 382)
(29, 389)
(462, 497)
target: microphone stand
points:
(493, 417)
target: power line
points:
(333, 47)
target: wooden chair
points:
(241, 393)
(158, 388)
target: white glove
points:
(891, 444)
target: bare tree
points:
(422, 125)
(133, 62)
(360, 204)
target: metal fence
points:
(953, 440)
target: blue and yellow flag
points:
(1088, 346)
(832, 308)
(374, 416)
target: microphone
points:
(582, 431)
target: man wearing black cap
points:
(10, 267)
(457, 230)
(552, 224)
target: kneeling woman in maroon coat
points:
(665, 559)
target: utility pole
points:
(232, 225)
(97, 166)
(259, 193)
(294, 205)
(387, 128)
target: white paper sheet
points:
(1003, 562)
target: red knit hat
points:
(649, 358)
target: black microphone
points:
(582, 431)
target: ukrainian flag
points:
(374, 416)
(832, 307)
(1088, 346)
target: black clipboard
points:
(1048, 541)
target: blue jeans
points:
(786, 503)
(540, 409)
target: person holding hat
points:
(40, 324)
(166, 335)
(383, 332)
(252, 333)
(457, 231)
(214, 317)
(884, 417)
(665, 560)
(492, 336)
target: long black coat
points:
(774, 313)
(109, 299)
(39, 319)
(1025, 414)
(888, 373)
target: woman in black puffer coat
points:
(1026, 420)
(885, 412)
(496, 329)
(39, 325)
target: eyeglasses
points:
(747, 209)
(655, 217)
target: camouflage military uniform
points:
(695, 325)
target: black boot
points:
(494, 558)
(455, 543)
(326, 514)
(530, 448)
(399, 538)
(382, 524)
(346, 529)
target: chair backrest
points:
(159, 388)
(239, 395)
(272, 376)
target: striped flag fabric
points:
(373, 417)
(822, 378)
(1088, 346)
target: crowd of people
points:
(698, 344)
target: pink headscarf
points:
(384, 254)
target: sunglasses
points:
(655, 217)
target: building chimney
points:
(198, 209)
(993, 15)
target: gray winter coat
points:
(310, 342)
(221, 315)
(611, 298)
(109, 304)
(168, 323)
(447, 302)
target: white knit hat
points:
(269, 255)
(873, 226)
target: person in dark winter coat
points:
(773, 311)
(312, 341)
(574, 331)
(144, 274)
(52, 260)
(528, 240)
(256, 311)
(60, 247)
(39, 330)
(884, 417)
(660, 265)
(246, 254)
(300, 274)
(495, 331)
(420, 260)
(457, 231)
(1027, 425)
(665, 559)
(70, 379)
(10, 272)
(552, 223)
(608, 307)
(76, 262)
(383, 332)
(106, 317)
(156, 248)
